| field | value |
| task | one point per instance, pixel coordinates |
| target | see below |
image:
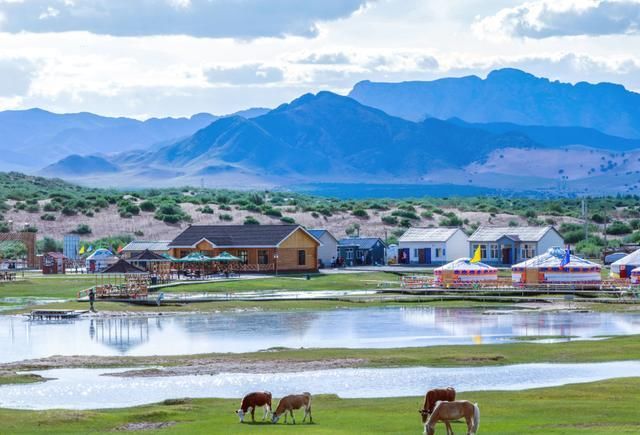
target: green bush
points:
(33, 208)
(361, 213)
(82, 229)
(51, 206)
(225, 217)
(147, 206)
(426, 215)
(405, 214)
(273, 212)
(48, 217)
(250, 220)
(619, 228)
(287, 220)
(389, 220)
(206, 210)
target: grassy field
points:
(52, 286)
(598, 408)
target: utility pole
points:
(604, 213)
(586, 222)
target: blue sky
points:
(145, 58)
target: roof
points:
(465, 264)
(633, 259)
(553, 259)
(318, 233)
(523, 234)
(418, 234)
(151, 245)
(147, 255)
(55, 255)
(100, 253)
(235, 235)
(122, 266)
(361, 242)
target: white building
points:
(432, 245)
(328, 250)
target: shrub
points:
(573, 237)
(33, 208)
(315, 214)
(68, 211)
(405, 214)
(426, 215)
(389, 220)
(250, 220)
(287, 220)
(50, 206)
(82, 229)
(206, 210)
(48, 217)
(618, 228)
(451, 221)
(147, 206)
(361, 213)
(138, 233)
(273, 212)
(225, 217)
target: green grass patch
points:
(597, 408)
(53, 286)
(14, 378)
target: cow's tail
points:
(476, 419)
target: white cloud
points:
(244, 74)
(16, 76)
(200, 18)
(325, 59)
(548, 18)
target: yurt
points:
(99, 260)
(635, 276)
(463, 272)
(623, 267)
(548, 268)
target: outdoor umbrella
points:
(225, 257)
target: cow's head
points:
(424, 414)
(275, 417)
(240, 414)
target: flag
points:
(477, 256)
(90, 248)
(567, 257)
(119, 249)
(81, 251)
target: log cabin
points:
(261, 248)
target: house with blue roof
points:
(362, 251)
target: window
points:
(483, 251)
(416, 252)
(244, 257)
(263, 257)
(444, 252)
(437, 252)
(302, 257)
(494, 251)
(349, 253)
(528, 251)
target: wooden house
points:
(261, 248)
(362, 251)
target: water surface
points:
(87, 389)
(252, 331)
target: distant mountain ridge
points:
(30, 139)
(509, 95)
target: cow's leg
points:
(285, 417)
(253, 414)
(469, 424)
(448, 425)
(266, 412)
(293, 417)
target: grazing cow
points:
(291, 402)
(437, 394)
(253, 400)
(449, 411)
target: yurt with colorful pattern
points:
(635, 276)
(463, 271)
(548, 268)
(623, 267)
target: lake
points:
(252, 331)
(89, 389)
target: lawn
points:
(336, 281)
(606, 407)
(52, 286)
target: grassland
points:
(597, 408)
(52, 286)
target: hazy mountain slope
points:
(509, 95)
(80, 165)
(327, 134)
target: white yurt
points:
(548, 269)
(623, 267)
(463, 271)
(100, 260)
(635, 276)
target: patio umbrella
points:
(225, 257)
(194, 257)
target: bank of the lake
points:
(605, 407)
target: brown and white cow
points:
(291, 402)
(437, 394)
(252, 401)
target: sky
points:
(156, 58)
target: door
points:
(422, 256)
(403, 256)
(506, 255)
(427, 255)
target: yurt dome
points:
(623, 267)
(548, 269)
(464, 271)
(100, 259)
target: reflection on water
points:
(251, 331)
(86, 389)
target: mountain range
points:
(511, 131)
